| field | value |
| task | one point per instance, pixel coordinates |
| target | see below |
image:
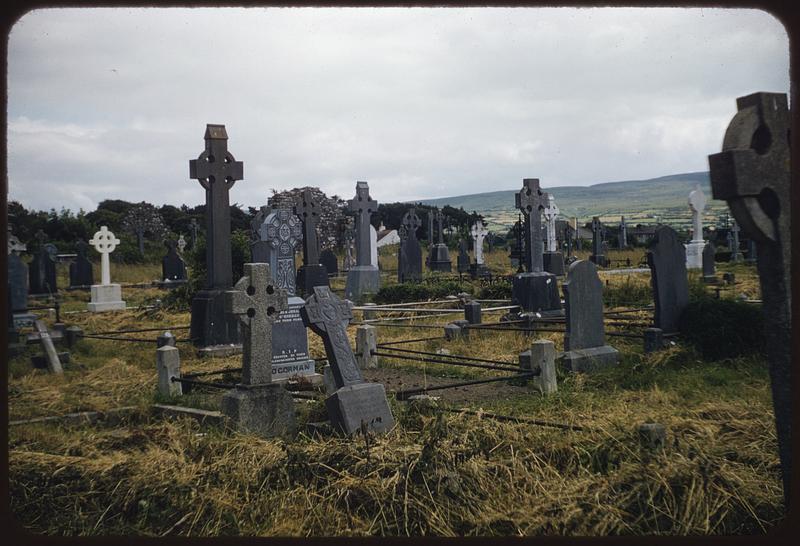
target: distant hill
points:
(640, 201)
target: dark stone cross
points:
(362, 207)
(409, 259)
(531, 201)
(217, 171)
(752, 173)
(311, 273)
(597, 236)
(440, 223)
(194, 227)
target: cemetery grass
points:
(435, 474)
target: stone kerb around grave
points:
(105, 296)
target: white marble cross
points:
(697, 202)
(478, 233)
(181, 244)
(550, 214)
(104, 242)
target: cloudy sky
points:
(113, 103)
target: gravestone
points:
(515, 250)
(18, 284)
(217, 171)
(259, 249)
(355, 403)
(329, 260)
(172, 266)
(430, 227)
(666, 258)
(194, 227)
(364, 278)
(752, 254)
(752, 173)
(80, 271)
(258, 404)
(479, 233)
(709, 267)
(736, 253)
(623, 233)
(409, 257)
(597, 256)
(462, 261)
(312, 272)
(42, 270)
(283, 233)
(694, 250)
(349, 243)
(584, 341)
(536, 290)
(373, 246)
(181, 244)
(439, 255)
(552, 259)
(105, 296)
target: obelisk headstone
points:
(752, 173)
(623, 233)
(364, 278)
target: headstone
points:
(752, 173)
(217, 171)
(552, 259)
(364, 278)
(194, 227)
(535, 290)
(282, 232)
(479, 233)
(167, 338)
(439, 255)
(328, 259)
(259, 248)
(597, 256)
(80, 271)
(373, 246)
(355, 403)
(258, 404)
(172, 266)
(516, 252)
(181, 244)
(366, 343)
(18, 287)
(653, 340)
(42, 270)
(667, 260)
(462, 261)
(168, 364)
(623, 233)
(409, 256)
(694, 250)
(105, 296)
(53, 361)
(430, 227)
(709, 267)
(472, 312)
(736, 254)
(585, 347)
(312, 272)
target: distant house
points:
(387, 236)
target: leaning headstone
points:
(53, 361)
(283, 233)
(536, 290)
(105, 296)
(462, 261)
(258, 404)
(330, 261)
(479, 232)
(709, 267)
(42, 270)
(439, 255)
(355, 403)
(694, 250)
(597, 256)
(80, 271)
(312, 272)
(173, 267)
(585, 346)
(667, 260)
(752, 173)
(217, 171)
(409, 256)
(552, 259)
(364, 278)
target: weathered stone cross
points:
(478, 233)
(597, 236)
(363, 207)
(531, 200)
(551, 212)
(411, 222)
(257, 301)
(440, 222)
(104, 242)
(308, 210)
(217, 171)
(697, 202)
(752, 173)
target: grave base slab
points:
(589, 360)
(106, 297)
(353, 405)
(265, 410)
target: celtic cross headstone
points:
(439, 255)
(598, 255)
(694, 250)
(552, 259)
(105, 296)
(364, 278)
(311, 273)
(409, 258)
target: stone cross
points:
(697, 202)
(479, 233)
(104, 242)
(623, 233)
(752, 173)
(257, 301)
(41, 237)
(194, 226)
(217, 171)
(181, 244)
(307, 208)
(362, 207)
(551, 212)
(283, 231)
(531, 200)
(327, 316)
(735, 229)
(440, 223)
(411, 223)
(597, 236)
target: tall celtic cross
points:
(753, 174)
(217, 171)
(362, 207)
(257, 301)
(327, 316)
(283, 231)
(531, 201)
(697, 203)
(551, 212)
(411, 223)
(440, 222)
(104, 242)
(597, 236)
(479, 233)
(307, 208)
